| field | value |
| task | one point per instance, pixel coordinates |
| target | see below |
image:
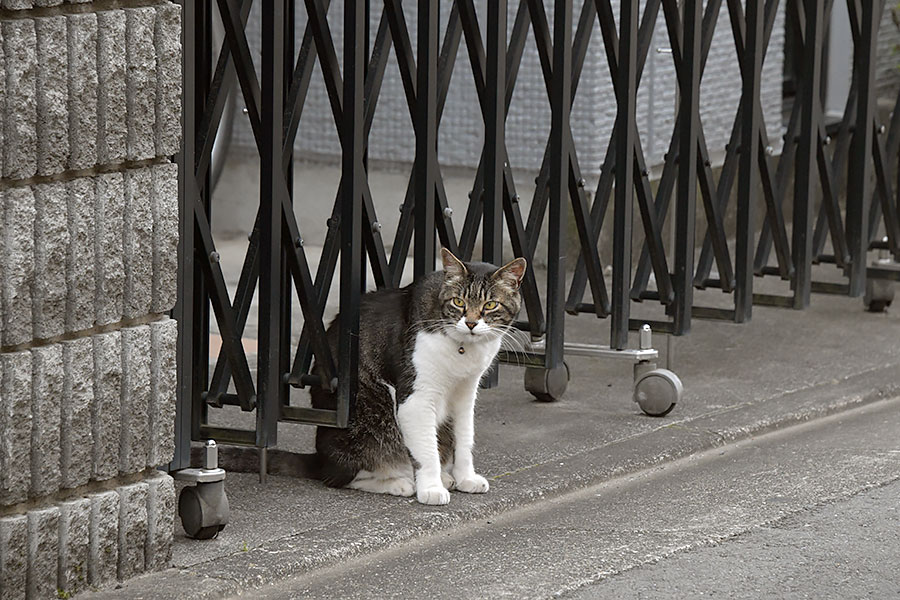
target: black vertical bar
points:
(560, 106)
(805, 174)
(623, 214)
(353, 173)
(495, 99)
(686, 190)
(748, 180)
(269, 383)
(426, 135)
(494, 144)
(859, 179)
(200, 329)
(184, 308)
(365, 155)
(284, 365)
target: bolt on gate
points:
(836, 177)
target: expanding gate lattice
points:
(857, 154)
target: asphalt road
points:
(812, 511)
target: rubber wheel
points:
(657, 392)
(208, 533)
(191, 511)
(877, 306)
(547, 385)
(879, 295)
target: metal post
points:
(284, 364)
(352, 122)
(184, 308)
(426, 135)
(748, 181)
(859, 179)
(560, 105)
(626, 101)
(271, 185)
(494, 145)
(686, 191)
(495, 96)
(806, 174)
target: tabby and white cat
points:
(422, 352)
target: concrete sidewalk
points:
(782, 368)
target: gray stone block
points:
(51, 246)
(132, 529)
(138, 242)
(135, 437)
(17, 255)
(74, 544)
(15, 427)
(104, 550)
(168, 79)
(160, 521)
(165, 238)
(164, 336)
(82, 90)
(80, 280)
(13, 557)
(20, 111)
(17, 4)
(141, 81)
(52, 95)
(106, 407)
(77, 436)
(109, 248)
(48, 384)
(45, 3)
(2, 107)
(112, 105)
(43, 552)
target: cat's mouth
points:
(464, 330)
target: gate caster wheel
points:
(203, 510)
(879, 295)
(547, 385)
(657, 392)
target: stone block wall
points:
(90, 113)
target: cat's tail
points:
(244, 459)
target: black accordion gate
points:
(818, 159)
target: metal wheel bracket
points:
(203, 508)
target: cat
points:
(423, 350)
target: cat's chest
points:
(437, 357)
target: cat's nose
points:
(471, 325)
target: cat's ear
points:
(453, 267)
(512, 273)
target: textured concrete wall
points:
(90, 106)
(888, 69)
(528, 124)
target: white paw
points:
(401, 487)
(473, 484)
(447, 480)
(433, 495)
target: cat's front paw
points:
(473, 484)
(433, 495)
(447, 480)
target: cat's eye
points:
(458, 302)
(490, 305)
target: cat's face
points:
(478, 301)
